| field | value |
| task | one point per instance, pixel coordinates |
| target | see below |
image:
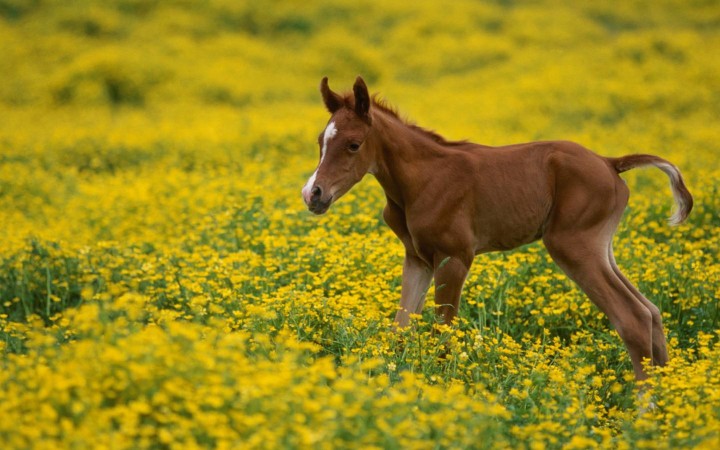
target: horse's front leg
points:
(415, 282)
(450, 274)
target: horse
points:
(448, 201)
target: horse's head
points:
(344, 157)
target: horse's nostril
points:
(316, 192)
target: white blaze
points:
(330, 133)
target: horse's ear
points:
(333, 101)
(362, 99)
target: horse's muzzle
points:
(319, 207)
(313, 200)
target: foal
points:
(449, 201)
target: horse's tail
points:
(683, 198)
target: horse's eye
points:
(354, 146)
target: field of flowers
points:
(163, 286)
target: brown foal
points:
(449, 201)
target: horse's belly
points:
(510, 224)
(508, 241)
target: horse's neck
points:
(404, 159)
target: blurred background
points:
(494, 71)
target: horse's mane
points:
(384, 106)
(387, 108)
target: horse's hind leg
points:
(589, 201)
(588, 265)
(659, 345)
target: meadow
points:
(162, 284)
